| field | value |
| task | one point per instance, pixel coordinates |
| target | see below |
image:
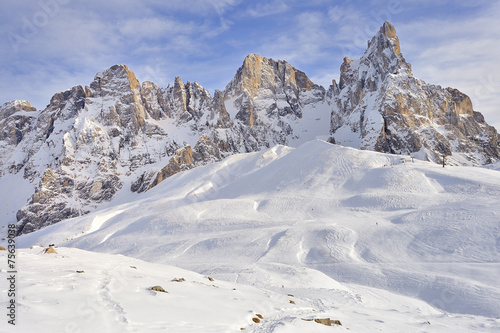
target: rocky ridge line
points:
(91, 142)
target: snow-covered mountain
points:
(373, 240)
(92, 142)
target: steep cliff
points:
(267, 98)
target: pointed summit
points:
(260, 82)
(118, 83)
(381, 106)
(389, 31)
(384, 48)
(382, 57)
(250, 74)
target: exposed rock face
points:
(118, 91)
(265, 91)
(183, 102)
(185, 158)
(116, 135)
(83, 144)
(379, 105)
(17, 120)
(159, 289)
(265, 98)
(46, 201)
(50, 249)
(327, 321)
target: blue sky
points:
(51, 45)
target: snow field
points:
(82, 291)
(370, 239)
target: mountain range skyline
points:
(116, 134)
(51, 45)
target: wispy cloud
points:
(152, 28)
(79, 39)
(268, 8)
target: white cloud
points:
(154, 27)
(343, 15)
(305, 40)
(268, 8)
(81, 39)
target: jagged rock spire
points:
(381, 106)
(389, 31)
(386, 44)
(382, 57)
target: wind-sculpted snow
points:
(376, 223)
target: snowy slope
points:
(112, 293)
(410, 241)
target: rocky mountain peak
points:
(346, 64)
(385, 46)
(115, 78)
(178, 84)
(9, 108)
(251, 72)
(149, 85)
(117, 93)
(262, 76)
(382, 57)
(267, 91)
(388, 30)
(382, 106)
